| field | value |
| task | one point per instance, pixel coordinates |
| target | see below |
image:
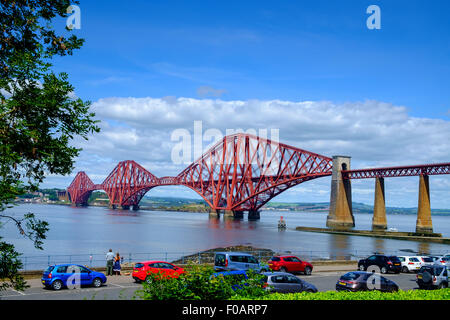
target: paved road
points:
(124, 288)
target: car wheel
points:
(383, 270)
(149, 280)
(283, 269)
(308, 271)
(362, 268)
(97, 283)
(405, 270)
(57, 285)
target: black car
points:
(382, 263)
(365, 281)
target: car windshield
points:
(394, 259)
(431, 270)
(427, 259)
(350, 276)
(219, 260)
(49, 269)
(138, 265)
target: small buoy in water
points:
(281, 223)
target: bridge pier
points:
(424, 223)
(135, 207)
(253, 215)
(379, 221)
(214, 213)
(113, 206)
(340, 215)
(238, 214)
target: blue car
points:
(62, 275)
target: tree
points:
(39, 114)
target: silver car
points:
(287, 283)
(443, 261)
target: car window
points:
(252, 260)
(154, 265)
(287, 259)
(84, 270)
(427, 259)
(292, 279)
(166, 266)
(372, 258)
(279, 279)
(414, 259)
(242, 259)
(219, 260)
(61, 269)
(294, 259)
(138, 265)
(402, 259)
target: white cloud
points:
(373, 133)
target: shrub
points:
(198, 284)
(443, 294)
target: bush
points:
(443, 294)
(198, 284)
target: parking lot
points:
(124, 288)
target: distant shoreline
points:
(200, 208)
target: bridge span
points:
(242, 172)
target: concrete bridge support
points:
(341, 214)
(213, 213)
(379, 221)
(233, 214)
(253, 215)
(228, 214)
(424, 224)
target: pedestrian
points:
(109, 262)
(117, 267)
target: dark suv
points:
(434, 276)
(384, 263)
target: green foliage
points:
(442, 294)
(198, 284)
(39, 114)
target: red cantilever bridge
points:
(242, 172)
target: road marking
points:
(23, 294)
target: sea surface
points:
(77, 234)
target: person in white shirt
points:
(109, 262)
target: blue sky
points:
(272, 50)
(293, 50)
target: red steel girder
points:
(128, 183)
(80, 188)
(403, 171)
(243, 171)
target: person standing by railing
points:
(117, 267)
(109, 262)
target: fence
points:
(128, 259)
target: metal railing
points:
(40, 262)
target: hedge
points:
(442, 294)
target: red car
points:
(166, 269)
(290, 264)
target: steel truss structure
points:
(242, 172)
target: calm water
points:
(94, 230)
